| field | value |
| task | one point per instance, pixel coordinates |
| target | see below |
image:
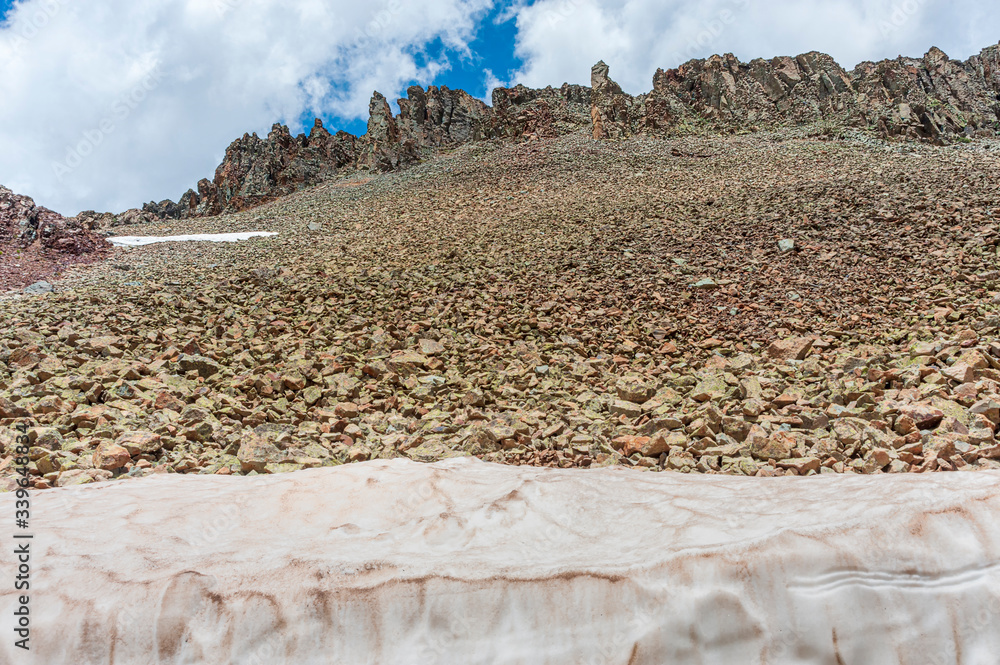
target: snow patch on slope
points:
(138, 241)
(398, 562)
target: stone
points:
(312, 394)
(474, 397)
(110, 456)
(801, 465)
(959, 372)
(988, 408)
(139, 443)
(620, 407)
(710, 387)
(777, 446)
(358, 453)
(256, 451)
(498, 433)
(974, 359)
(794, 348)
(206, 367)
(786, 245)
(904, 425)
(9, 409)
(346, 410)
(924, 416)
(39, 288)
(106, 345)
(662, 442)
(165, 400)
(635, 390)
(46, 437)
(430, 347)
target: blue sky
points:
(110, 103)
(492, 48)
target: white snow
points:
(137, 241)
(465, 562)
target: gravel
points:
(562, 302)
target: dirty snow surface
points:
(137, 241)
(461, 561)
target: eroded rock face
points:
(22, 224)
(609, 109)
(451, 558)
(546, 112)
(442, 117)
(928, 98)
(257, 170)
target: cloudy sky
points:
(105, 104)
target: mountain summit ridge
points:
(933, 98)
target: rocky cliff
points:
(36, 242)
(24, 224)
(931, 98)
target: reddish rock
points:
(10, 410)
(167, 401)
(36, 242)
(111, 456)
(662, 442)
(794, 348)
(959, 372)
(346, 410)
(924, 416)
(139, 442)
(778, 446)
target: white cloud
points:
(558, 40)
(491, 81)
(154, 90)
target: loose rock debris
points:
(561, 302)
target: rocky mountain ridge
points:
(933, 98)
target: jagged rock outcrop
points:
(36, 243)
(257, 170)
(442, 117)
(933, 96)
(22, 224)
(930, 98)
(541, 112)
(609, 109)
